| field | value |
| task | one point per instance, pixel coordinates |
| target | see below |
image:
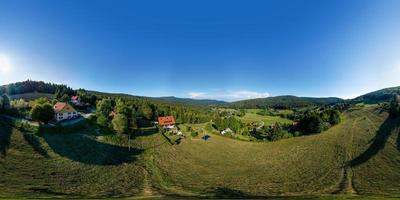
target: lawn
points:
(31, 96)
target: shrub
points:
(194, 134)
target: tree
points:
(334, 117)
(394, 107)
(133, 125)
(40, 101)
(147, 111)
(42, 113)
(5, 102)
(104, 108)
(120, 123)
(310, 122)
(64, 98)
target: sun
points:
(5, 63)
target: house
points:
(76, 100)
(167, 122)
(64, 111)
(225, 131)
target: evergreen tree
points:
(5, 103)
(104, 108)
(120, 123)
(394, 107)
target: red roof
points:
(74, 97)
(59, 106)
(167, 120)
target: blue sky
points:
(227, 50)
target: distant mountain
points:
(197, 102)
(284, 102)
(378, 96)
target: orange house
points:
(167, 121)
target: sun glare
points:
(5, 64)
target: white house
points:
(64, 111)
(76, 100)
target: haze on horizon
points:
(227, 50)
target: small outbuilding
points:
(76, 100)
(225, 131)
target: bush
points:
(42, 113)
(194, 134)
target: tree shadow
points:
(85, 149)
(378, 142)
(146, 132)
(224, 192)
(5, 137)
(33, 140)
(229, 193)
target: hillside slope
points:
(378, 96)
(284, 101)
(358, 156)
(197, 102)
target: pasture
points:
(357, 159)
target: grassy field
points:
(31, 96)
(358, 156)
(75, 164)
(252, 116)
(357, 159)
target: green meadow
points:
(357, 159)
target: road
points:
(63, 123)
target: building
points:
(167, 122)
(64, 111)
(76, 100)
(225, 131)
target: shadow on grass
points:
(378, 142)
(229, 193)
(33, 140)
(85, 149)
(223, 192)
(5, 137)
(146, 132)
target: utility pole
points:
(129, 141)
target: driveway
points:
(63, 123)
(20, 120)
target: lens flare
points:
(5, 64)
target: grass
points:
(357, 159)
(31, 96)
(309, 165)
(268, 120)
(75, 164)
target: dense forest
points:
(378, 96)
(35, 86)
(284, 102)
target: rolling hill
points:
(378, 96)
(197, 102)
(359, 157)
(284, 101)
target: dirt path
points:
(346, 185)
(147, 190)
